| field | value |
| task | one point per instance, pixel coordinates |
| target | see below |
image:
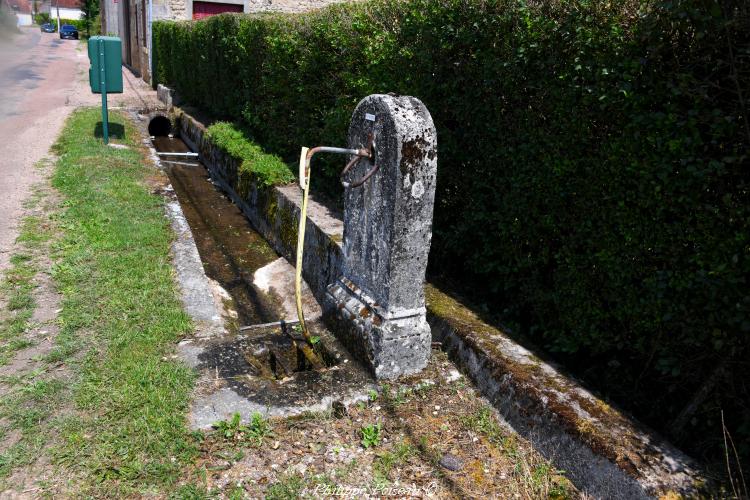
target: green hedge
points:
(41, 18)
(593, 169)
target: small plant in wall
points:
(370, 435)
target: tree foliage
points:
(90, 9)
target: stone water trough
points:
(364, 272)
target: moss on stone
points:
(270, 210)
(604, 430)
(244, 184)
(288, 229)
(256, 165)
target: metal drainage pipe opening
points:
(159, 126)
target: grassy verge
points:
(114, 272)
(26, 396)
(17, 288)
(17, 284)
(116, 424)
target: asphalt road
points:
(42, 79)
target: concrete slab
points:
(231, 375)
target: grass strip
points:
(128, 434)
(29, 396)
(17, 288)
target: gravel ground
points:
(426, 436)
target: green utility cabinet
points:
(111, 48)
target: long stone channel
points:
(259, 370)
(606, 453)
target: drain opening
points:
(159, 126)
(274, 355)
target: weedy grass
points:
(17, 289)
(386, 461)
(288, 487)
(28, 402)
(255, 431)
(120, 318)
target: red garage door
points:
(205, 9)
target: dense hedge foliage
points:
(265, 169)
(593, 165)
(42, 18)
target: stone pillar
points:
(377, 307)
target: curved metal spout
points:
(304, 182)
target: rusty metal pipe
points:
(305, 185)
(358, 153)
(341, 151)
(358, 183)
(354, 161)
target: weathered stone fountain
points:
(377, 306)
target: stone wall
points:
(170, 10)
(287, 5)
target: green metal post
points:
(103, 73)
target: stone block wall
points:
(287, 5)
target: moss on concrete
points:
(287, 228)
(541, 392)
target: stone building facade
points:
(131, 20)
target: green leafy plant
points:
(256, 430)
(232, 428)
(370, 435)
(259, 428)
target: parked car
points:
(68, 31)
(48, 28)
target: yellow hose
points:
(304, 181)
(306, 348)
